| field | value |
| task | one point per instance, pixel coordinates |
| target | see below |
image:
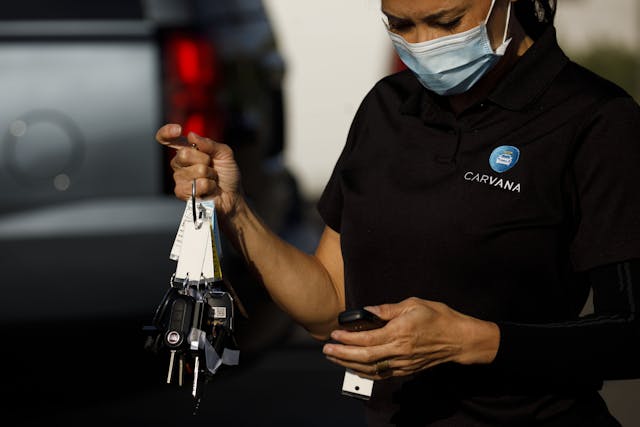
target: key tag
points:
(355, 386)
(193, 245)
(198, 252)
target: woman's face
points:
(422, 20)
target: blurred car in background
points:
(87, 212)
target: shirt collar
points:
(530, 76)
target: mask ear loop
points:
(506, 26)
(493, 3)
(385, 21)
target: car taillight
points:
(191, 81)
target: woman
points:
(479, 196)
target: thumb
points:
(386, 311)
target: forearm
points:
(297, 282)
(600, 347)
(606, 344)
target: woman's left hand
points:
(419, 334)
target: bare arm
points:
(309, 287)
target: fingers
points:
(188, 157)
(364, 355)
(195, 159)
(386, 311)
(363, 338)
(205, 177)
(205, 145)
(383, 368)
(170, 135)
(390, 311)
(368, 370)
(204, 187)
(380, 361)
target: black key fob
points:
(180, 319)
(359, 320)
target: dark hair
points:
(535, 15)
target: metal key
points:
(171, 358)
(178, 328)
(196, 368)
(180, 369)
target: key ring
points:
(196, 212)
(193, 200)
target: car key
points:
(172, 356)
(179, 326)
(180, 369)
(196, 369)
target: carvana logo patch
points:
(504, 158)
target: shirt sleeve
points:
(606, 176)
(604, 345)
(331, 201)
(601, 346)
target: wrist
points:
(481, 340)
(237, 212)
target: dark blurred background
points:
(88, 217)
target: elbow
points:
(321, 333)
(320, 337)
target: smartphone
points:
(359, 319)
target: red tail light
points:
(191, 82)
(194, 60)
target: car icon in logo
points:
(504, 158)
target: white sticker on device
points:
(356, 386)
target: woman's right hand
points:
(210, 163)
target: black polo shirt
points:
(496, 212)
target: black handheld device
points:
(359, 319)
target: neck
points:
(520, 43)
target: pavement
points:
(289, 384)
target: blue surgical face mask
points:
(452, 64)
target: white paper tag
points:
(177, 243)
(191, 257)
(194, 248)
(208, 267)
(216, 230)
(356, 386)
(216, 252)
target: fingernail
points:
(176, 130)
(327, 349)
